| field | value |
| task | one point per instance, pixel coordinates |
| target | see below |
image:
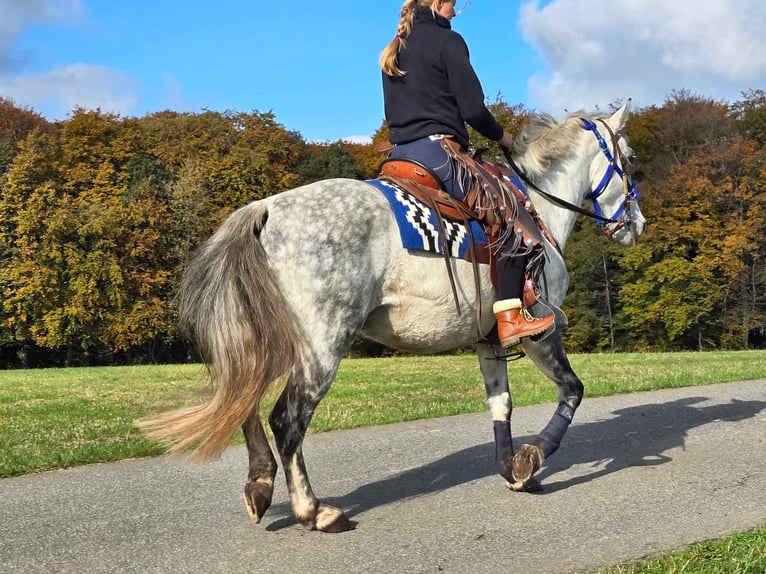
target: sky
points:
(314, 63)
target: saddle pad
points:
(419, 229)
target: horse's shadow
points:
(636, 436)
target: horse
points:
(287, 283)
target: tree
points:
(365, 157)
(331, 161)
(85, 270)
(27, 200)
(592, 298)
(696, 280)
(15, 125)
(263, 160)
(750, 114)
(512, 118)
(668, 136)
(100, 214)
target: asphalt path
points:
(637, 475)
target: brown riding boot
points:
(515, 322)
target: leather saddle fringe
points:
(500, 210)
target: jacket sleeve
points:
(467, 89)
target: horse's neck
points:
(567, 179)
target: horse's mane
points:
(545, 139)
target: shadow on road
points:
(635, 436)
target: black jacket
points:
(440, 92)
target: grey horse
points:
(286, 284)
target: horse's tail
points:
(233, 311)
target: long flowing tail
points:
(232, 309)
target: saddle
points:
(502, 209)
(421, 183)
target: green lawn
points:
(739, 554)
(52, 418)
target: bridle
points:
(621, 218)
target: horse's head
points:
(613, 194)
(584, 157)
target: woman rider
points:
(431, 91)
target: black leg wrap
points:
(503, 448)
(549, 440)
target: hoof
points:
(530, 485)
(258, 498)
(504, 465)
(525, 464)
(332, 519)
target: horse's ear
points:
(620, 117)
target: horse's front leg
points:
(500, 406)
(549, 356)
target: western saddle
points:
(491, 184)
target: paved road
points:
(638, 474)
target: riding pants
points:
(428, 151)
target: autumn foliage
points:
(99, 215)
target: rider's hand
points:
(506, 141)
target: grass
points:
(54, 418)
(743, 553)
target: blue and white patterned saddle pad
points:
(418, 227)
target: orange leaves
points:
(101, 213)
(707, 236)
(512, 118)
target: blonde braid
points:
(390, 53)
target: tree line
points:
(99, 214)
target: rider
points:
(431, 91)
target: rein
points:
(630, 191)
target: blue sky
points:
(314, 64)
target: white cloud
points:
(357, 140)
(17, 15)
(599, 51)
(56, 93)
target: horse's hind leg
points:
(289, 421)
(263, 467)
(551, 359)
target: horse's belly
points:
(420, 327)
(418, 311)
